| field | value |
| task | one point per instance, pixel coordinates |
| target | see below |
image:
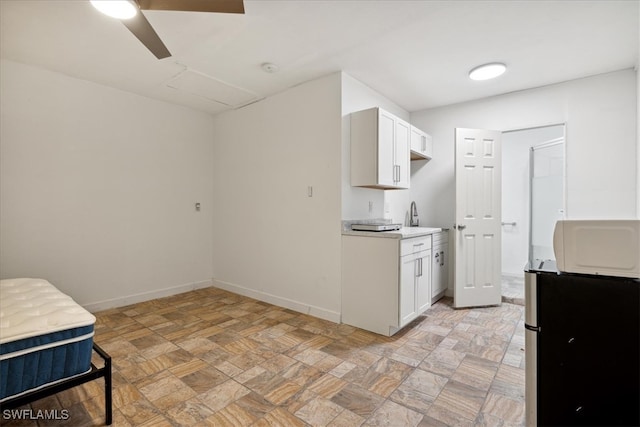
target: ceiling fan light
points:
(120, 9)
(487, 71)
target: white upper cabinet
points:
(379, 150)
(421, 145)
(402, 157)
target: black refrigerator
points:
(582, 349)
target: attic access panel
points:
(199, 84)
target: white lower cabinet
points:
(408, 308)
(424, 282)
(440, 265)
(386, 283)
(415, 285)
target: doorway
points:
(533, 170)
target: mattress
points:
(45, 336)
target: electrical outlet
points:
(370, 207)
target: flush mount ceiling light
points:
(487, 71)
(120, 9)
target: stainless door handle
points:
(513, 224)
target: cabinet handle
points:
(441, 258)
(419, 267)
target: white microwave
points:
(599, 247)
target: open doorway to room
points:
(533, 199)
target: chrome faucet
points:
(414, 215)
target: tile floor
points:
(213, 358)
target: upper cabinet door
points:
(402, 159)
(421, 145)
(386, 153)
(379, 150)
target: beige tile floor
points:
(213, 358)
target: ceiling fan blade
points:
(142, 29)
(219, 6)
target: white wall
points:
(600, 114)
(272, 241)
(98, 189)
(355, 200)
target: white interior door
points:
(477, 230)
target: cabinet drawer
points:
(414, 245)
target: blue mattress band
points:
(43, 340)
(28, 368)
(45, 346)
(44, 385)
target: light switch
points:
(198, 207)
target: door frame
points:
(565, 170)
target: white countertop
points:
(403, 233)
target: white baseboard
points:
(145, 296)
(510, 275)
(322, 313)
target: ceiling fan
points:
(129, 12)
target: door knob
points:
(460, 227)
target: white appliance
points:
(374, 226)
(598, 247)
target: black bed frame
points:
(93, 374)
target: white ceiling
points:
(417, 53)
